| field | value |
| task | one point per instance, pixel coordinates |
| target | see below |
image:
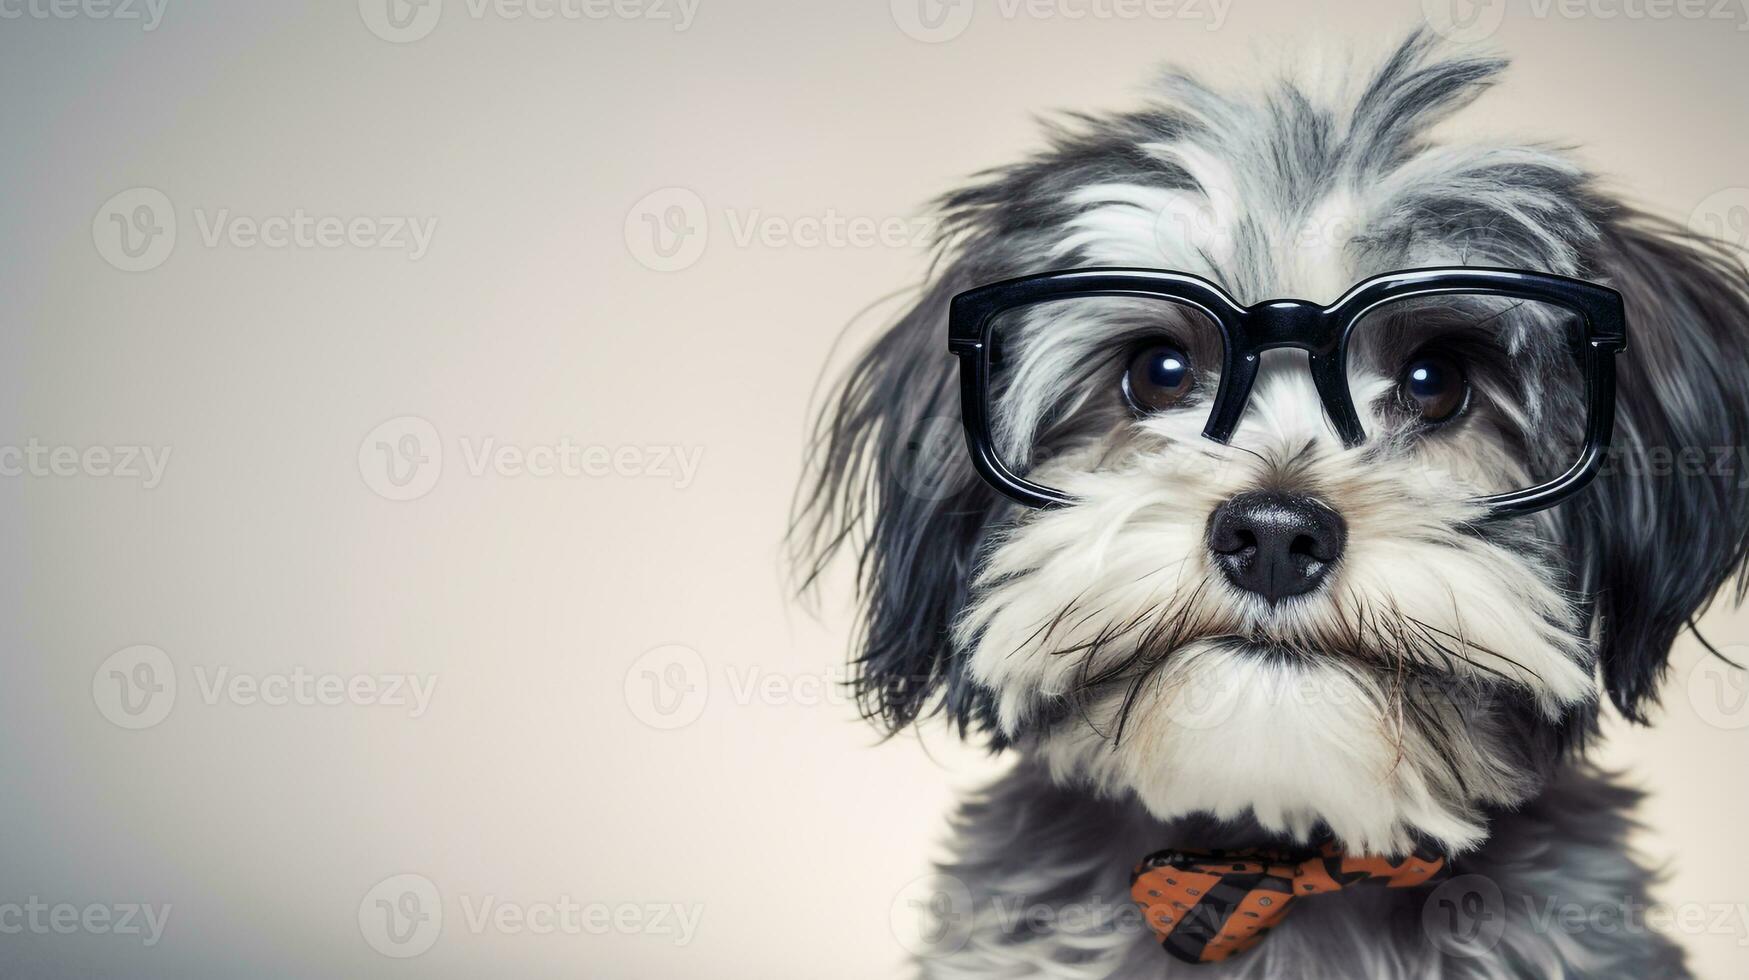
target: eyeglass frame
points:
(1323, 332)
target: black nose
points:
(1276, 544)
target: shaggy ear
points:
(1667, 523)
(890, 481)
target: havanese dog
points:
(1247, 471)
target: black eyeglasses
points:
(1507, 377)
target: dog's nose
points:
(1276, 544)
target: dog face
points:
(1286, 628)
(1275, 623)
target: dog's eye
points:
(1435, 387)
(1159, 377)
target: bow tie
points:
(1209, 905)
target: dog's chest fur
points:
(1048, 871)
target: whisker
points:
(1472, 645)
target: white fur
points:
(1297, 740)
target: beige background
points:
(540, 769)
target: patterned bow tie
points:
(1209, 905)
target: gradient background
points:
(553, 761)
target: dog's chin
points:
(1296, 744)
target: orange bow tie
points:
(1209, 905)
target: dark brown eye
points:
(1435, 387)
(1158, 378)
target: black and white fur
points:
(1456, 668)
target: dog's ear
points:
(1667, 522)
(890, 481)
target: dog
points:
(1300, 647)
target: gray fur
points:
(1033, 854)
(1633, 560)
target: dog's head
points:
(1285, 626)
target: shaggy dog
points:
(1285, 645)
